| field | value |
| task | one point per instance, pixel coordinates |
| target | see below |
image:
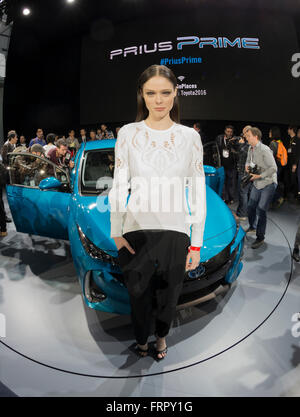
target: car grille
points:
(211, 265)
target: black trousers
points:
(2, 212)
(230, 187)
(290, 181)
(154, 276)
(297, 238)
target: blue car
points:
(47, 200)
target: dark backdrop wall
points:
(59, 75)
(42, 84)
(242, 70)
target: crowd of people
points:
(73, 142)
(233, 152)
(58, 149)
(282, 169)
(258, 176)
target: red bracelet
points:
(195, 248)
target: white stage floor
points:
(240, 344)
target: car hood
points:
(94, 219)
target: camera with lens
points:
(67, 159)
(247, 177)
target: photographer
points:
(290, 175)
(243, 189)
(264, 183)
(30, 171)
(275, 143)
(227, 148)
(60, 155)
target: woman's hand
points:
(121, 241)
(192, 260)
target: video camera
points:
(247, 177)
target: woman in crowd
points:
(275, 139)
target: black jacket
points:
(294, 155)
(274, 148)
(242, 149)
(3, 175)
(231, 146)
(7, 148)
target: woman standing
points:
(275, 139)
(155, 157)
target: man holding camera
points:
(243, 189)
(260, 159)
(60, 155)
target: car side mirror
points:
(209, 170)
(49, 183)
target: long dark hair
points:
(152, 71)
(275, 133)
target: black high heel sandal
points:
(160, 352)
(142, 353)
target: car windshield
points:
(97, 171)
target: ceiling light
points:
(26, 11)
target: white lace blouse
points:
(157, 166)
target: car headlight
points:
(93, 251)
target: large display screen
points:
(236, 67)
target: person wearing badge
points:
(290, 176)
(260, 158)
(227, 148)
